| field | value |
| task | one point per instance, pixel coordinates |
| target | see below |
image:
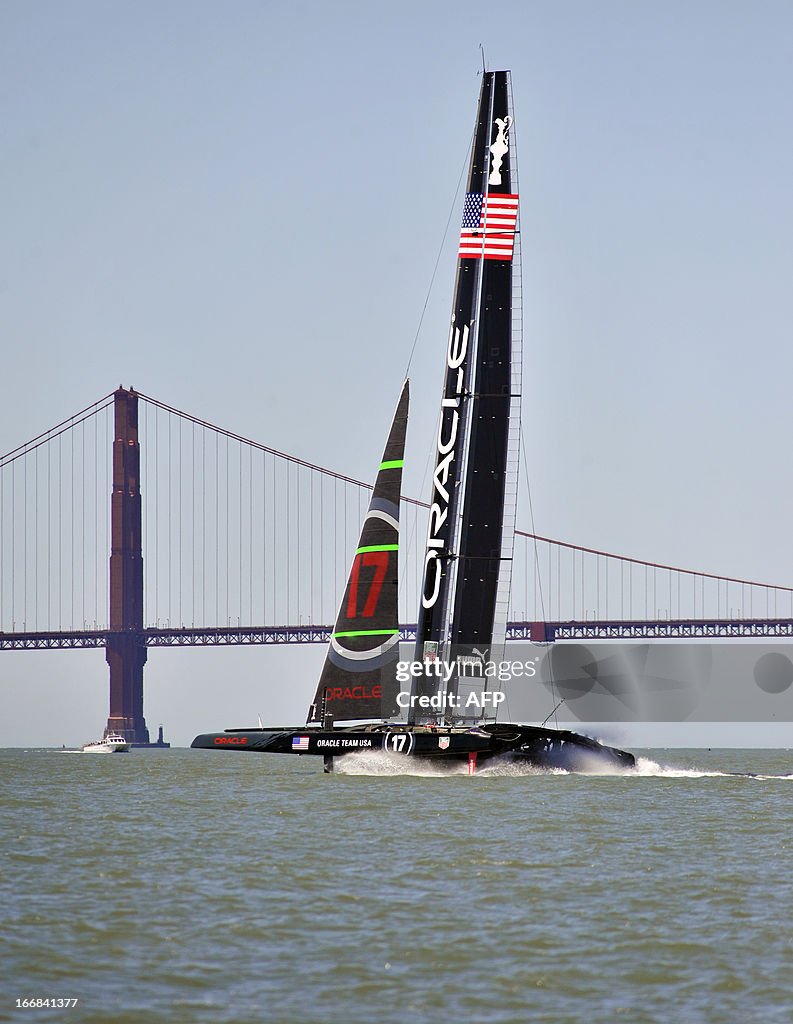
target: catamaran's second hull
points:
(532, 745)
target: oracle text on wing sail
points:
(443, 478)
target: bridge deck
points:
(537, 632)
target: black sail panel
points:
(479, 551)
(464, 547)
(449, 467)
(358, 679)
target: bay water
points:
(193, 886)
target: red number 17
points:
(379, 559)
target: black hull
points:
(525, 744)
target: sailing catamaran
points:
(359, 704)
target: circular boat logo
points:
(398, 742)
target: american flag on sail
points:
(489, 223)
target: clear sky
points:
(237, 208)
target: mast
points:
(466, 537)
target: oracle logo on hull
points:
(447, 439)
(353, 693)
(237, 741)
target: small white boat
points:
(111, 744)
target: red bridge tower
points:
(126, 650)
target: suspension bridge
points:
(244, 544)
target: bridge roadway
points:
(536, 632)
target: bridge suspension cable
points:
(239, 534)
(54, 525)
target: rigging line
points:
(440, 254)
(410, 540)
(430, 452)
(555, 710)
(346, 532)
(37, 442)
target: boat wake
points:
(647, 768)
(375, 762)
(72, 751)
(380, 763)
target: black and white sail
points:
(467, 571)
(358, 679)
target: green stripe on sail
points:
(377, 547)
(393, 464)
(368, 632)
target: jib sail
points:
(358, 679)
